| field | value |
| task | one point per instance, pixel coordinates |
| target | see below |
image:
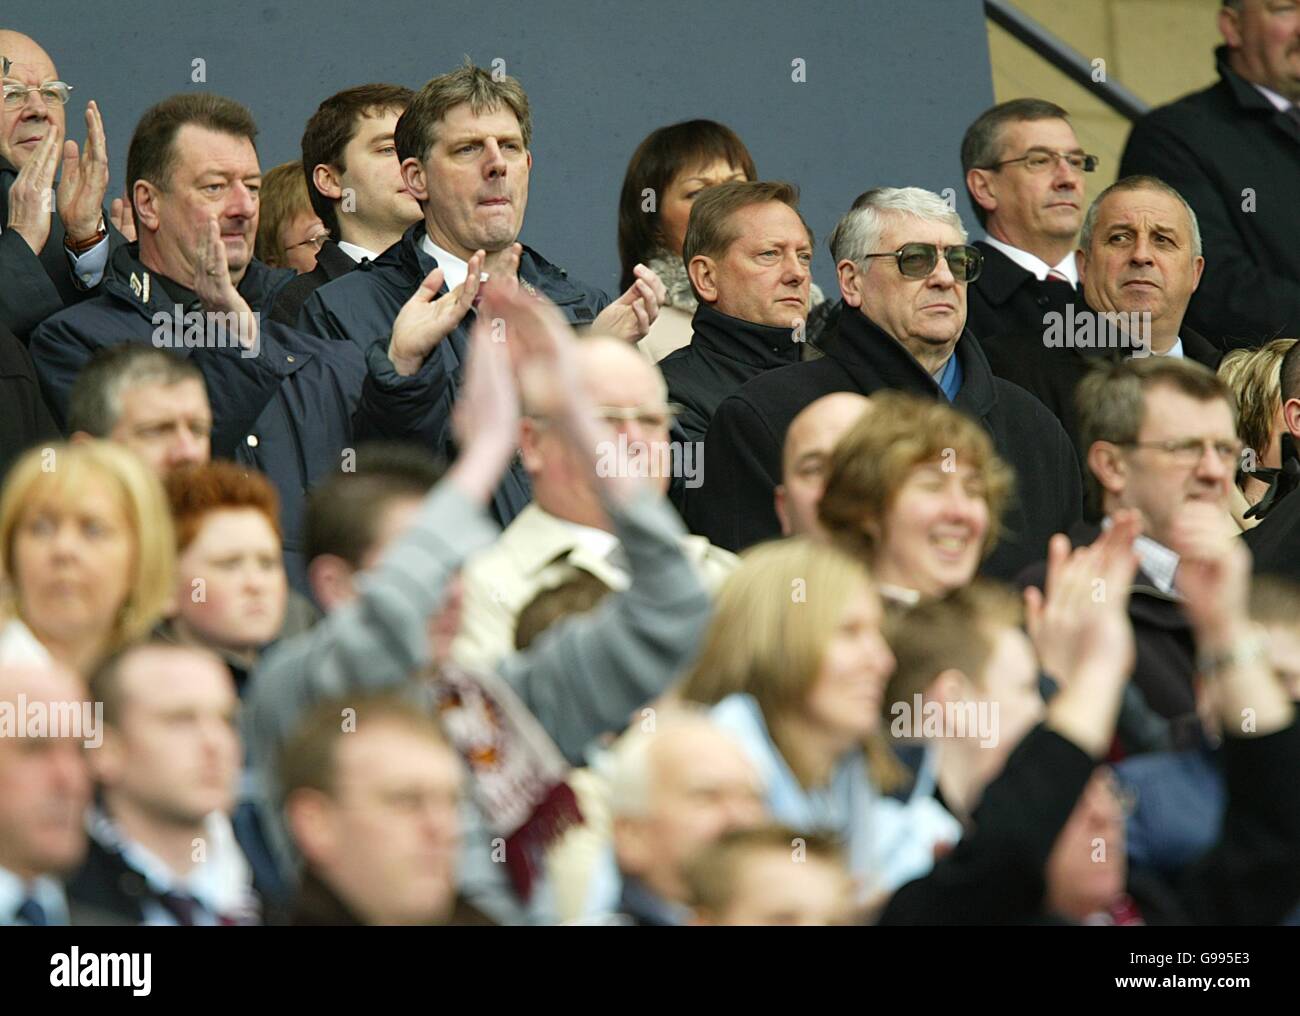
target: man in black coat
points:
(1275, 542)
(49, 258)
(464, 145)
(1139, 255)
(1024, 173)
(896, 331)
(1233, 150)
(24, 417)
(748, 252)
(354, 180)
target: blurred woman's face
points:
(680, 194)
(933, 533)
(73, 562)
(850, 687)
(232, 588)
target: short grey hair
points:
(1136, 183)
(95, 403)
(859, 232)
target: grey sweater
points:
(585, 676)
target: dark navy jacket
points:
(286, 411)
(361, 307)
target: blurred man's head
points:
(1088, 867)
(1140, 253)
(171, 751)
(1263, 39)
(372, 793)
(152, 402)
(1025, 174)
(749, 252)
(24, 125)
(771, 876)
(44, 785)
(1159, 432)
(353, 516)
(192, 159)
(808, 444)
(630, 393)
(674, 791)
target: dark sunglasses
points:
(918, 260)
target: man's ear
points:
(778, 502)
(413, 178)
(107, 761)
(703, 273)
(852, 278)
(144, 198)
(1198, 268)
(331, 581)
(80, 437)
(951, 685)
(1230, 26)
(1108, 466)
(326, 179)
(1081, 265)
(529, 451)
(1291, 417)
(309, 816)
(979, 183)
(631, 845)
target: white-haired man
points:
(903, 264)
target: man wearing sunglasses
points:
(566, 529)
(1139, 263)
(904, 266)
(1025, 173)
(48, 261)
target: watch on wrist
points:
(1247, 649)
(87, 244)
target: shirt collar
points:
(597, 542)
(1280, 102)
(46, 891)
(1034, 264)
(1157, 561)
(453, 268)
(1176, 350)
(356, 252)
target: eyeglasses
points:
(918, 260)
(54, 93)
(649, 417)
(314, 242)
(1041, 159)
(1188, 452)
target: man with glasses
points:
(1025, 175)
(904, 266)
(567, 529)
(1160, 435)
(1233, 150)
(1139, 263)
(748, 253)
(54, 243)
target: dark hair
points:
(332, 128)
(1290, 379)
(981, 145)
(344, 511)
(105, 682)
(711, 228)
(485, 93)
(713, 874)
(152, 155)
(657, 161)
(95, 404)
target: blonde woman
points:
(795, 667)
(916, 492)
(1255, 377)
(87, 552)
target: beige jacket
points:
(536, 552)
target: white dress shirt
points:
(356, 252)
(1033, 263)
(453, 268)
(18, 645)
(46, 891)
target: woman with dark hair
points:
(665, 175)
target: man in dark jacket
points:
(354, 180)
(24, 417)
(1233, 150)
(464, 145)
(901, 328)
(1024, 173)
(1139, 255)
(282, 401)
(48, 259)
(748, 252)
(1275, 542)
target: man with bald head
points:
(44, 792)
(566, 528)
(54, 244)
(808, 445)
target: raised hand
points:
(215, 289)
(427, 318)
(630, 316)
(1213, 574)
(486, 416)
(84, 181)
(122, 216)
(32, 194)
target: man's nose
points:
(242, 203)
(1142, 251)
(494, 163)
(941, 277)
(186, 448)
(33, 107)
